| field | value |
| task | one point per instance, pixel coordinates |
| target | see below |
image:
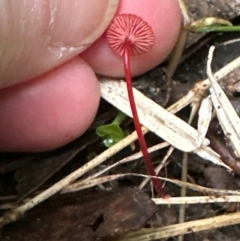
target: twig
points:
(183, 193)
(202, 86)
(159, 167)
(124, 160)
(197, 200)
(182, 228)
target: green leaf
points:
(219, 29)
(111, 134)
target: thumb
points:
(37, 36)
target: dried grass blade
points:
(182, 228)
(161, 122)
(204, 118)
(197, 200)
(227, 115)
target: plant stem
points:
(119, 119)
(148, 160)
(218, 29)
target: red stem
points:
(148, 160)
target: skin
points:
(37, 36)
(165, 19)
(48, 111)
(52, 95)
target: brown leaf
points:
(220, 178)
(83, 216)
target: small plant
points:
(112, 133)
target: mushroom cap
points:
(130, 31)
(165, 19)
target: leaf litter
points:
(189, 94)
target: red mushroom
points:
(130, 35)
(138, 30)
